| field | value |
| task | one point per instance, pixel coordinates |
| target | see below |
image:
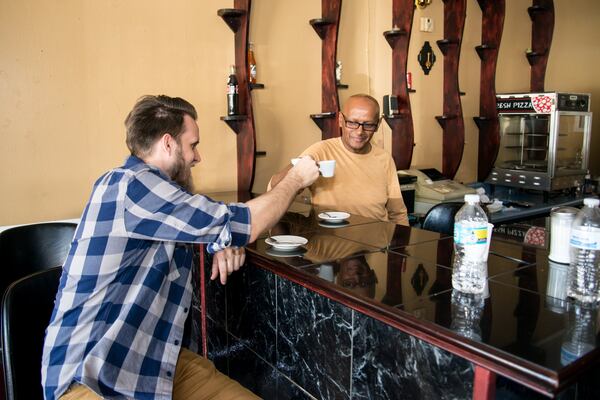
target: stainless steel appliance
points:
(544, 140)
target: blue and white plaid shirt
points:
(125, 289)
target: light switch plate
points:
(426, 24)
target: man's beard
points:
(182, 174)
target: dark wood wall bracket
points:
(452, 121)
(443, 119)
(492, 24)
(322, 119)
(542, 28)
(401, 124)
(445, 44)
(232, 17)
(235, 122)
(238, 19)
(484, 51)
(327, 28)
(321, 26)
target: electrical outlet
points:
(426, 24)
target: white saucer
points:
(293, 253)
(339, 224)
(286, 242)
(334, 217)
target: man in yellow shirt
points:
(365, 181)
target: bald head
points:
(361, 98)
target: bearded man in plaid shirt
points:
(125, 290)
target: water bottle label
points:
(473, 237)
(567, 357)
(470, 234)
(585, 239)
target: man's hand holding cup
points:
(326, 167)
(305, 169)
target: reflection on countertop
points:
(408, 271)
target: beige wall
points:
(70, 70)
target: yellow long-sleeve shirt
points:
(363, 184)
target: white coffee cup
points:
(326, 272)
(327, 168)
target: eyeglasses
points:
(367, 126)
(361, 281)
(352, 285)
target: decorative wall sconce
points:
(426, 58)
(419, 279)
(422, 3)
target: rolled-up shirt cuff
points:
(241, 224)
(239, 227)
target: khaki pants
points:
(196, 378)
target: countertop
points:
(523, 327)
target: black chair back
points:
(32, 248)
(26, 310)
(440, 218)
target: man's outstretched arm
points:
(268, 208)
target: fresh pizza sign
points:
(541, 104)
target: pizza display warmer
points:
(544, 140)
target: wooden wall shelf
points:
(390, 118)
(452, 121)
(327, 28)
(394, 35)
(238, 20)
(483, 122)
(542, 28)
(322, 118)
(401, 123)
(492, 22)
(484, 50)
(536, 9)
(321, 25)
(232, 17)
(533, 57)
(443, 119)
(445, 44)
(235, 122)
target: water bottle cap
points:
(591, 202)
(472, 198)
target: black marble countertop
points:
(522, 327)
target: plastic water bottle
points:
(580, 336)
(470, 246)
(466, 314)
(583, 282)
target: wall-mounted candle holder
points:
(426, 58)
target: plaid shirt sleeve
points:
(158, 209)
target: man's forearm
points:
(268, 208)
(278, 177)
